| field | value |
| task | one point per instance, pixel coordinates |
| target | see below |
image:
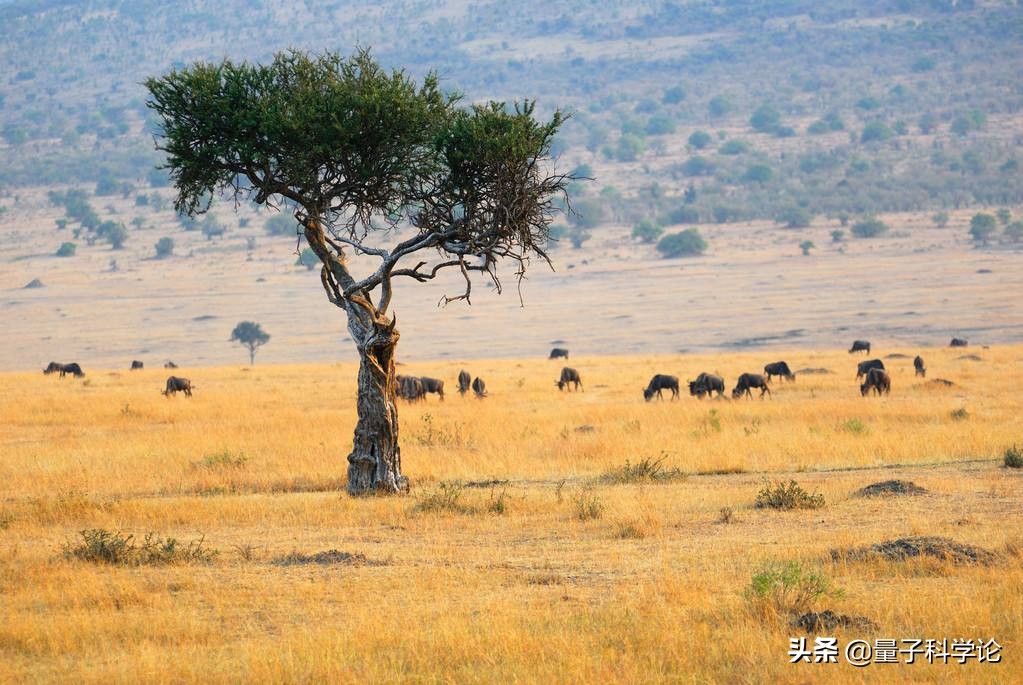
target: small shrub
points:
(791, 495)
(222, 460)
(806, 246)
(686, 243)
(101, 546)
(447, 497)
(869, 228)
(1014, 457)
(164, 247)
(726, 515)
(782, 588)
(643, 471)
(588, 505)
(497, 503)
(66, 250)
(960, 414)
(854, 426)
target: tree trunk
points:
(375, 462)
(252, 355)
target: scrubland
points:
(522, 553)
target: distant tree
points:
(697, 166)
(683, 214)
(583, 171)
(587, 213)
(308, 259)
(765, 119)
(818, 127)
(1004, 216)
(281, 224)
(1014, 232)
(660, 125)
(116, 235)
(758, 173)
(981, 228)
(869, 228)
(837, 235)
(61, 224)
(674, 95)
(940, 219)
(961, 126)
(806, 246)
(629, 148)
(137, 222)
(734, 147)
(250, 335)
(923, 64)
(700, 139)
(900, 127)
(106, 185)
(164, 247)
(211, 228)
(928, 122)
(647, 231)
(684, 244)
(158, 178)
(578, 236)
(875, 131)
(843, 218)
(689, 195)
(795, 217)
(868, 103)
(719, 106)
(66, 250)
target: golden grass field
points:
(650, 588)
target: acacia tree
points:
(251, 335)
(362, 155)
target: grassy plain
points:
(535, 569)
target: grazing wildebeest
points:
(779, 369)
(918, 364)
(748, 381)
(568, 375)
(958, 342)
(661, 382)
(434, 385)
(863, 367)
(558, 352)
(410, 388)
(877, 380)
(464, 382)
(73, 368)
(860, 346)
(170, 365)
(174, 384)
(136, 364)
(707, 384)
(479, 387)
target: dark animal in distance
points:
(877, 380)
(432, 385)
(707, 384)
(175, 384)
(918, 364)
(779, 369)
(479, 388)
(73, 368)
(410, 388)
(661, 382)
(958, 342)
(464, 382)
(746, 382)
(568, 375)
(860, 346)
(863, 367)
(170, 365)
(136, 364)
(559, 353)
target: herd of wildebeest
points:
(414, 388)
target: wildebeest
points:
(918, 364)
(174, 384)
(464, 382)
(170, 365)
(860, 346)
(746, 382)
(479, 387)
(661, 382)
(568, 375)
(863, 367)
(558, 352)
(958, 342)
(434, 385)
(706, 384)
(877, 380)
(779, 369)
(410, 388)
(136, 364)
(73, 368)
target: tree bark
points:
(374, 466)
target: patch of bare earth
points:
(891, 487)
(903, 549)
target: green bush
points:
(765, 119)
(795, 217)
(791, 495)
(164, 247)
(758, 173)
(700, 139)
(102, 546)
(783, 588)
(684, 244)
(647, 231)
(66, 250)
(1014, 457)
(981, 227)
(869, 228)
(734, 147)
(875, 131)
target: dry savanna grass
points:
(549, 537)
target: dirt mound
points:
(897, 355)
(815, 622)
(34, 283)
(484, 483)
(969, 358)
(814, 370)
(938, 383)
(902, 549)
(327, 558)
(891, 487)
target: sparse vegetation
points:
(782, 589)
(791, 495)
(101, 546)
(66, 250)
(1013, 458)
(687, 243)
(647, 470)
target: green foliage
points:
(922, 64)
(106, 185)
(223, 460)
(875, 131)
(660, 125)
(66, 250)
(765, 119)
(674, 95)
(308, 259)
(1004, 216)
(164, 247)
(587, 213)
(282, 224)
(981, 227)
(251, 335)
(734, 147)
(697, 166)
(869, 228)
(116, 235)
(940, 219)
(1014, 231)
(700, 139)
(101, 546)
(577, 237)
(795, 217)
(837, 235)
(806, 246)
(1013, 458)
(647, 470)
(720, 106)
(791, 495)
(683, 214)
(647, 231)
(758, 173)
(686, 243)
(629, 148)
(784, 588)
